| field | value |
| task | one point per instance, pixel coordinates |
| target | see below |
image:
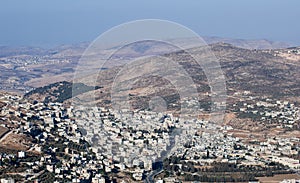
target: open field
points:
(15, 142)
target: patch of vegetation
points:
(61, 91)
(219, 172)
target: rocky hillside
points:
(263, 73)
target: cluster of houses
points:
(56, 146)
(79, 143)
(283, 113)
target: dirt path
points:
(5, 135)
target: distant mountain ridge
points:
(80, 47)
(28, 67)
(248, 43)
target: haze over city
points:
(51, 23)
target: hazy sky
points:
(53, 22)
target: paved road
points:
(150, 177)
